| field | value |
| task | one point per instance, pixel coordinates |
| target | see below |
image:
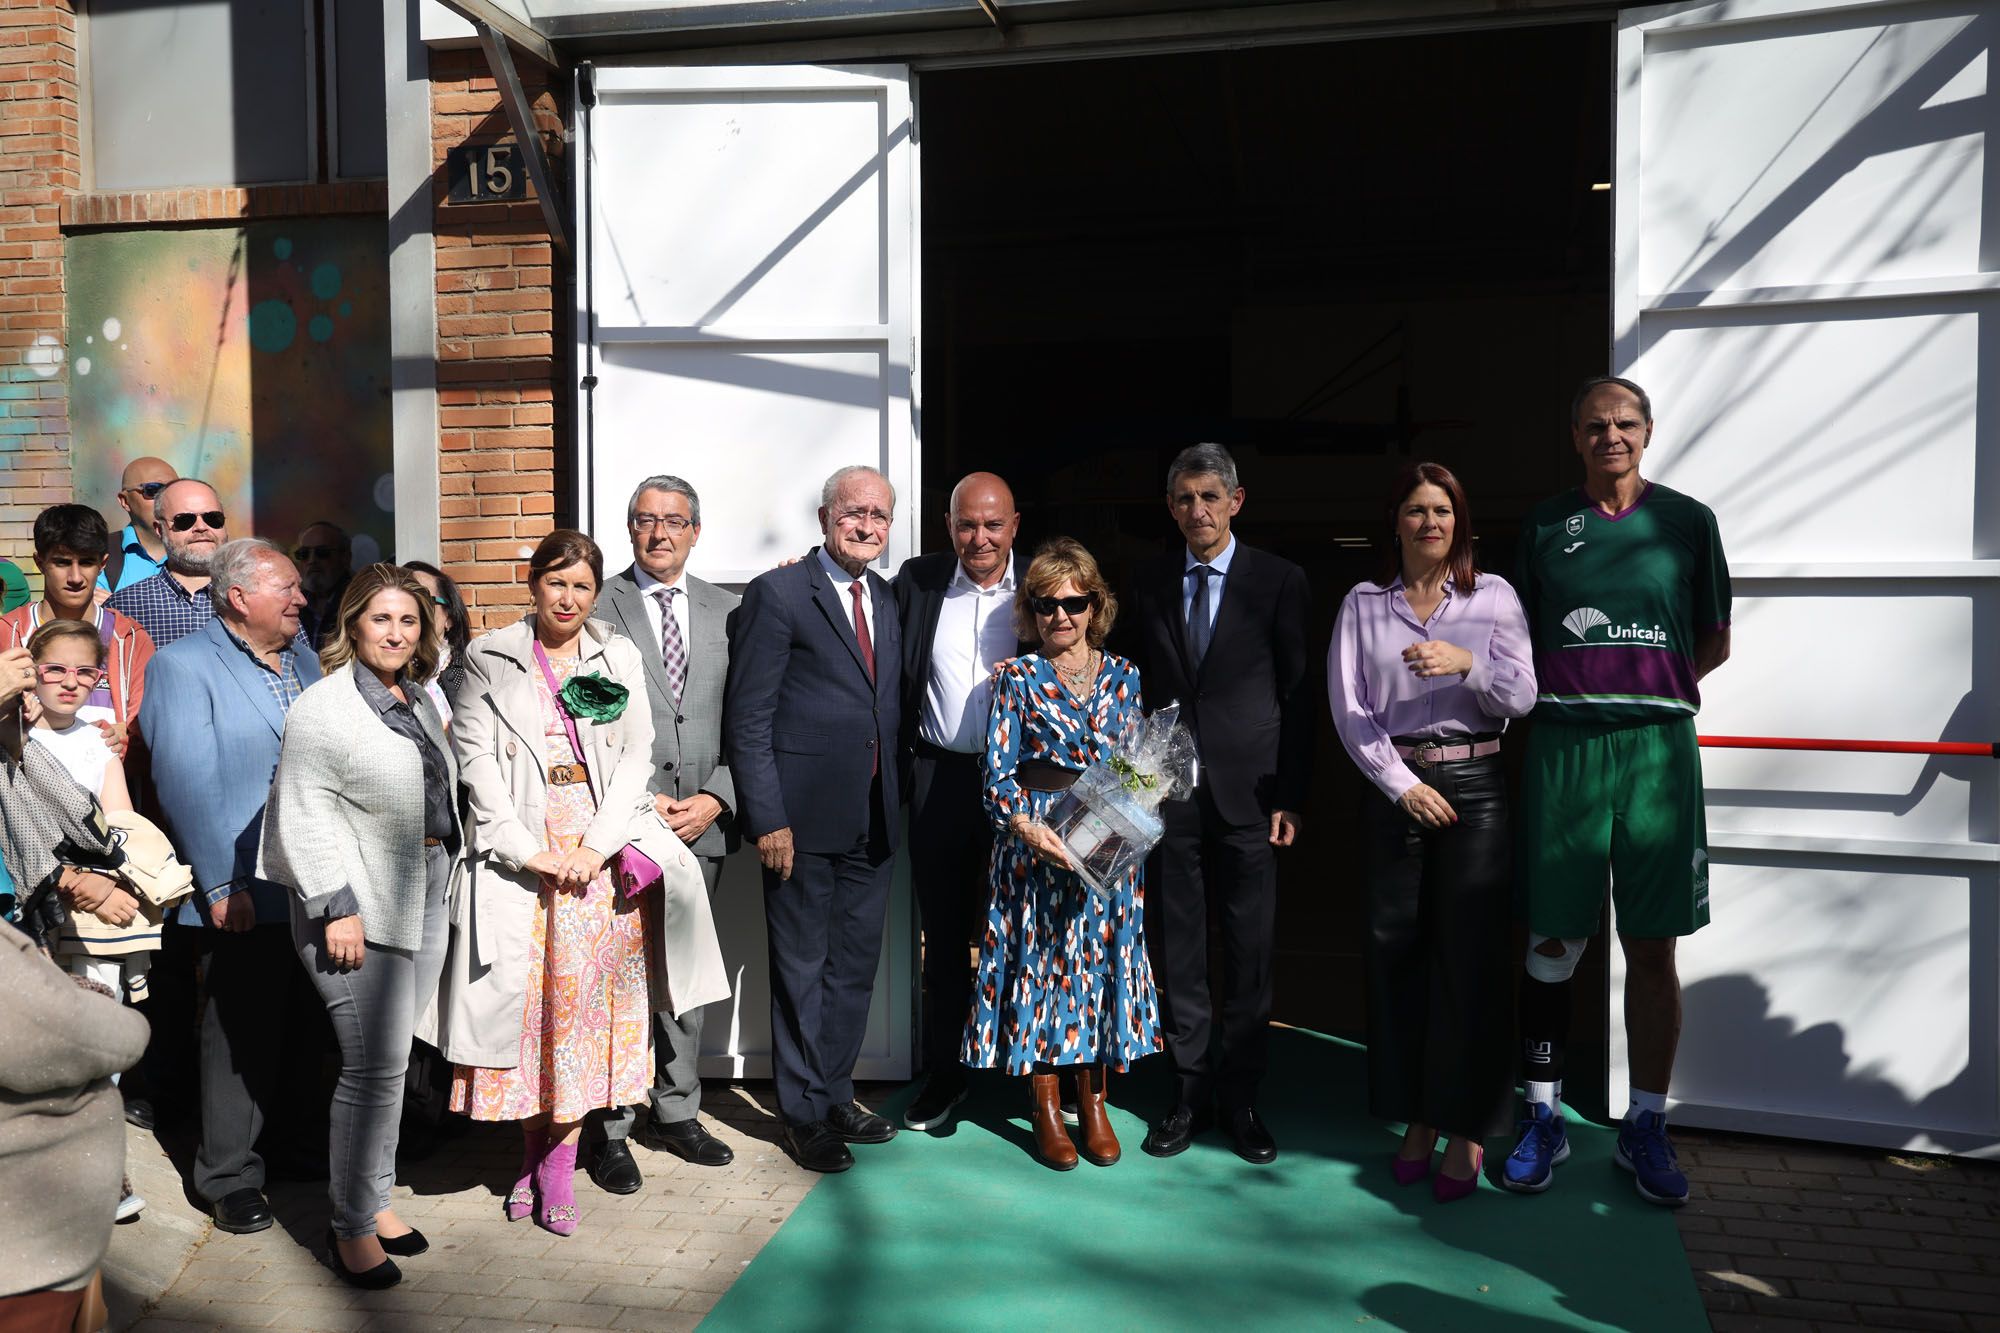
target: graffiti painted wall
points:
(254, 357)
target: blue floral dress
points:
(1063, 977)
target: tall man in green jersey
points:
(1627, 594)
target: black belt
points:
(1041, 775)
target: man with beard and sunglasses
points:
(174, 603)
(325, 557)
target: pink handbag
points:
(632, 871)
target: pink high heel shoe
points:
(1450, 1189)
(1406, 1171)
(555, 1184)
(521, 1199)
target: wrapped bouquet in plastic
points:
(1110, 818)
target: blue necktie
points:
(1200, 622)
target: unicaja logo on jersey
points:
(1584, 619)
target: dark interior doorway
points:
(1333, 258)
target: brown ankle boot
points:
(1052, 1143)
(1100, 1145)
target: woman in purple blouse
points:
(1428, 662)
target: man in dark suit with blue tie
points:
(811, 720)
(1221, 627)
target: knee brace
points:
(1548, 967)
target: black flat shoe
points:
(139, 1114)
(816, 1147)
(382, 1275)
(612, 1167)
(688, 1140)
(1248, 1136)
(857, 1125)
(1171, 1135)
(405, 1246)
(241, 1212)
(932, 1108)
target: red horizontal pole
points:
(1977, 749)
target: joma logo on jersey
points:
(1584, 619)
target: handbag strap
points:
(555, 694)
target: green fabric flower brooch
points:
(594, 698)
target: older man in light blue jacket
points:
(213, 717)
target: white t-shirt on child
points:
(80, 749)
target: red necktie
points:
(867, 654)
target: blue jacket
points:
(212, 730)
(802, 724)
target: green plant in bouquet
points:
(1130, 776)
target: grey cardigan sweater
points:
(62, 1124)
(347, 810)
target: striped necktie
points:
(673, 650)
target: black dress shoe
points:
(405, 1246)
(384, 1274)
(1247, 1134)
(858, 1125)
(241, 1212)
(816, 1147)
(1170, 1136)
(612, 1167)
(140, 1115)
(942, 1093)
(688, 1140)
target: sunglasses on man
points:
(317, 552)
(1075, 606)
(211, 518)
(150, 489)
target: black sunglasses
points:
(1076, 606)
(316, 552)
(182, 522)
(150, 489)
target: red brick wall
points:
(499, 365)
(40, 160)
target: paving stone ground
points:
(1782, 1237)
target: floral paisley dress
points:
(586, 1026)
(1063, 977)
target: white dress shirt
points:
(1216, 582)
(841, 578)
(975, 629)
(649, 594)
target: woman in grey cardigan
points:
(363, 827)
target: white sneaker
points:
(129, 1207)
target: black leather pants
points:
(1439, 1025)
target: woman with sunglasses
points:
(1429, 660)
(1063, 978)
(450, 604)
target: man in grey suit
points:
(214, 713)
(681, 625)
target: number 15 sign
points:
(486, 173)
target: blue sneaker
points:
(1544, 1146)
(1645, 1151)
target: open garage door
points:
(1808, 232)
(747, 322)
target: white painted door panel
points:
(747, 250)
(1807, 260)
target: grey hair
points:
(839, 479)
(663, 482)
(1200, 460)
(235, 564)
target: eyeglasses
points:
(52, 672)
(211, 518)
(149, 489)
(1075, 606)
(304, 552)
(854, 518)
(673, 523)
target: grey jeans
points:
(374, 1011)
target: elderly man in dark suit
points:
(958, 621)
(812, 720)
(1222, 627)
(681, 625)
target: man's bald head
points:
(140, 474)
(983, 524)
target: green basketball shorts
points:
(1616, 803)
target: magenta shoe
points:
(555, 1188)
(521, 1199)
(1449, 1189)
(1407, 1172)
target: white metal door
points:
(747, 260)
(1807, 251)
